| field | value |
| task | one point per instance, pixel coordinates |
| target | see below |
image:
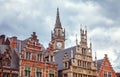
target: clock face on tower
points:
(59, 44)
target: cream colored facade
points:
(80, 63)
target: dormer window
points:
(66, 64)
(6, 61)
(65, 60)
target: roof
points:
(99, 63)
(60, 54)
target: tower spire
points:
(95, 59)
(58, 23)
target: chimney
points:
(13, 42)
(2, 39)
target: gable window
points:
(39, 57)
(28, 54)
(27, 71)
(38, 72)
(109, 74)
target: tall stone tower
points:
(58, 34)
(83, 34)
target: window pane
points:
(28, 55)
(39, 57)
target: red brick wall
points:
(106, 66)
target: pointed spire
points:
(90, 44)
(58, 23)
(76, 40)
(72, 55)
(95, 59)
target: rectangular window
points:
(51, 73)
(14, 75)
(38, 72)
(83, 51)
(109, 74)
(65, 75)
(105, 73)
(27, 71)
(79, 62)
(66, 65)
(6, 75)
(28, 54)
(51, 58)
(74, 74)
(39, 57)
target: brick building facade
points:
(105, 68)
(26, 58)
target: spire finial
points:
(95, 59)
(58, 23)
(76, 40)
(58, 11)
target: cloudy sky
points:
(102, 17)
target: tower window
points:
(83, 51)
(58, 32)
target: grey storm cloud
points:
(22, 17)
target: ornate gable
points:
(106, 62)
(6, 58)
(33, 41)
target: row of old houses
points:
(29, 58)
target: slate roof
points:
(14, 56)
(99, 64)
(60, 54)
